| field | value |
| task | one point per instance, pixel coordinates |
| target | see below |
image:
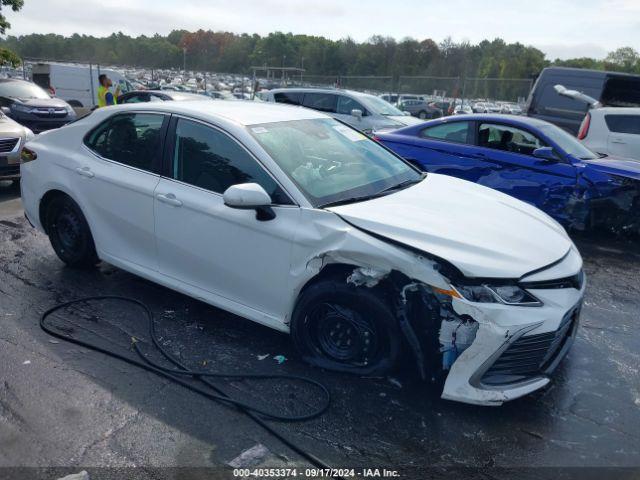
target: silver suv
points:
(365, 112)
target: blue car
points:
(531, 160)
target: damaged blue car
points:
(531, 160)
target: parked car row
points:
(308, 226)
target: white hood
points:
(483, 232)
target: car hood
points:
(405, 119)
(622, 167)
(41, 102)
(484, 233)
(10, 128)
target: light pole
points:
(284, 57)
(184, 58)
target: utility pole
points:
(301, 67)
(184, 58)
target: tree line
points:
(236, 53)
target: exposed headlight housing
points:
(498, 293)
(18, 107)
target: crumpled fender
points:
(333, 241)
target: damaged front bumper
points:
(515, 348)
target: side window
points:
(292, 98)
(137, 98)
(209, 159)
(346, 104)
(508, 139)
(325, 102)
(457, 132)
(131, 139)
(623, 123)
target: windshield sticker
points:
(349, 133)
(259, 130)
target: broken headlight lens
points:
(506, 294)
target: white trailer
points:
(75, 83)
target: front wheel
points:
(422, 115)
(346, 328)
(69, 233)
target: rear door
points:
(624, 135)
(546, 184)
(115, 178)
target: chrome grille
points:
(8, 144)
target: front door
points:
(548, 185)
(203, 243)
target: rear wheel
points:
(422, 114)
(69, 233)
(346, 328)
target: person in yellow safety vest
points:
(105, 97)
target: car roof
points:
(617, 110)
(7, 80)
(320, 90)
(496, 117)
(171, 93)
(243, 113)
(478, 117)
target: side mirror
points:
(545, 153)
(250, 196)
(356, 113)
(6, 111)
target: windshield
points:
(568, 143)
(22, 90)
(331, 162)
(380, 106)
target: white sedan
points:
(293, 220)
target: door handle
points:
(169, 199)
(618, 140)
(85, 172)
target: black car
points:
(142, 96)
(33, 107)
(611, 89)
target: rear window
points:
(623, 123)
(292, 98)
(621, 92)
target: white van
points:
(75, 83)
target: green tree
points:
(15, 5)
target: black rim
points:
(67, 229)
(343, 335)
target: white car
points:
(293, 220)
(612, 131)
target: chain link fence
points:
(429, 86)
(367, 83)
(500, 89)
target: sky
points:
(560, 28)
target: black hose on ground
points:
(255, 413)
